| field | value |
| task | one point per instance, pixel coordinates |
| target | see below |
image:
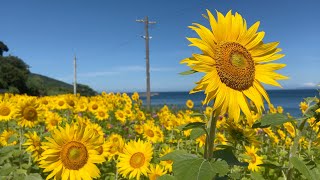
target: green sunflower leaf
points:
(272, 120)
(197, 132)
(228, 156)
(166, 177)
(302, 168)
(190, 166)
(188, 72)
(194, 125)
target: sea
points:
(288, 99)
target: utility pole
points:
(75, 75)
(146, 37)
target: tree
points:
(13, 73)
(3, 48)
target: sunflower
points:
(241, 134)
(8, 138)
(168, 163)
(101, 114)
(52, 120)
(149, 133)
(114, 146)
(61, 103)
(34, 145)
(71, 154)
(94, 106)
(135, 159)
(255, 160)
(234, 60)
(135, 96)
(290, 129)
(120, 116)
(7, 110)
(281, 134)
(140, 115)
(220, 139)
(189, 104)
(29, 113)
(155, 171)
(303, 107)
(138, 128)
(201, 140)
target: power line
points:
(147, 37)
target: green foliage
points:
(3, 48)
(13, 73)
(303, 169)
(166, 177)
(272, 120)
(188, 72)
(189, 166)
(227, 155)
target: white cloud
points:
(115, 71)
(309, 84)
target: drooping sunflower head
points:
(135, 159)
(235, 62)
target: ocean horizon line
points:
(143, 92)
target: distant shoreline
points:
(157, 92)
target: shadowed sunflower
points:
(33, 144)
(71, 153)
(234, 61)
(254, 160)
(8, 138)
(135, 159)
(155, 171)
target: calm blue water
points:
(288, 99)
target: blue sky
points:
(111, 53)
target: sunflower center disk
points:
(54, 122)
(30, 114)
(137, 160)
(150, 133)
(74, 155)
(253, 158)
(4, 111)
(235, 66)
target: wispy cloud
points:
(116, 71)
(309, 84)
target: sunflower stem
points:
(212, 135)
(294, 148)
(116, 178)
(20, 145)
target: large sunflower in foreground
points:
(235, 62)
(71, 153)
(135, 159)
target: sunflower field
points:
(112, 135)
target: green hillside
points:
(49, 86)
(15, 77)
